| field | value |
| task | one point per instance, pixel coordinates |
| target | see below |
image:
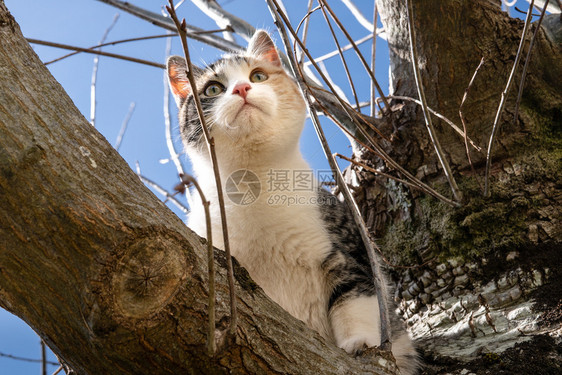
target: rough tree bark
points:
(109, 277)
(493, 277)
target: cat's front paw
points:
(356, 344)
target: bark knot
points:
(148, 276)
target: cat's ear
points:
(262, 47)
(177, 76)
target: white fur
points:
(355, 323)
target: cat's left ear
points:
(263, 47)
(177, 76)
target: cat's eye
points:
(213, 89)
(258, 76)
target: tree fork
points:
(110, 278)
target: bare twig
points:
(373, 170)
(225, 19)
(378, 151)
(306, 19)
(181, 28)
(527, 59)
(95, 52)
(342, 58)
(347, 47)
(43, 358)
(333, 84)
(169, 196)
(361, 58)
(23, 359)
(174, 154)
(280, 18)
(464, 123)
(359, 16)
(164, 22)
(58, 370)
(211, 345)
(326, 103)
(93, 101)
(124, 126)
(442, 117)
(373, 58)
(427, 117)
(503, 99)
(325, 97)
(111, 44)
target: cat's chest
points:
(281, 234)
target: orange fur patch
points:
(180, 86)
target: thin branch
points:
(553, 8)
(181, 28)
(124, 125)
(379, 151)
(527, 59)
(333, 84)
(211, 345)
(93, 102)
(342, 58)
(347, 47)
(111, 44)
(464, 123)
(174, 154)
(169, 196)
(427, 117)
(324, 101)
(317, 91)
(24, 359)
(442, 117)
(373, 58)
(503, 99)
(305, 29)
(58, 370)
(358, 15)
(166, 23)
(361, 58)
(373, 170)
(225, 19)
(279, 17)
(95, 52)
(43, 358)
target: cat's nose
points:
(241, 89)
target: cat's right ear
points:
(177, 76)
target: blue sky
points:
(83, 22)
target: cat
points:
(307, 256)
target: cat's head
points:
(248, 99)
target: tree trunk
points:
(492, 268)
(109, 277)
